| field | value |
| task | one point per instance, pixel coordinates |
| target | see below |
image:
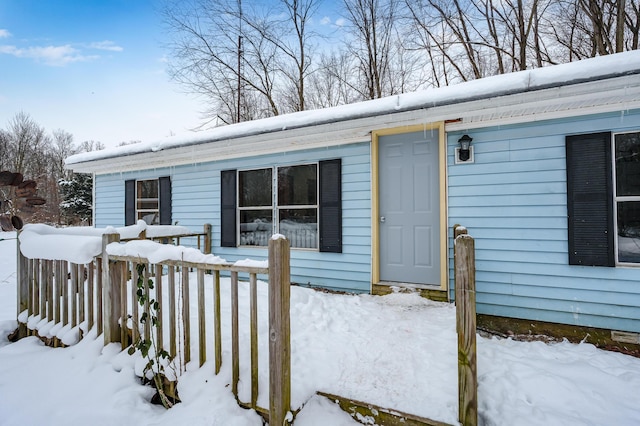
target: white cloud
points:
(340, 22)
(50, 55)
(106, 45)
(58, 55)
(326, 20)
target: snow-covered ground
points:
(396, 351)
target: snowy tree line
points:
(252, 59)
(26, 148)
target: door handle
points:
(382, 219)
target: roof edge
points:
(481, 89)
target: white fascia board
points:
(540, 116)
(621, 93)
(218, 151)
(320, 136)
(539, 106)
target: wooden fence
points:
(465, 288)
(98, 294)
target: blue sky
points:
(94, 68)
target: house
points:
(368, 193)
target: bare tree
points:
(59, 149)
(333, 82)
(587, 28)
(88, 146)
(205, 55)
(26, 152)
(447, 33)
(297, 50)
(247, 61)
(521, 23)
(372, 25)
(25, 141)
(29, 150)
(4, 148)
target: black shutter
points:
(129, 202)
(330, 205)
(590, 200)
(228, 208)
(164, 188)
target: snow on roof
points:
(592, 69)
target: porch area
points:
(397, 352)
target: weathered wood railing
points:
(203, 239)
(103, 293)
(465, 288)
(58, 292)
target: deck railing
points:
(56, 294)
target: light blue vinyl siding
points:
(513, 201)
(196, 201)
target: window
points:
(626, 152)
(148, 200)
(603, 198)
(297, 205)
(302, 202)
(294, 204)
(255, 207)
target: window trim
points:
(615, 199)
(329, 195)
(275, 207)
(139, 199)
(240, 209)
(164, 200)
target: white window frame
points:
(240, 209)
(619, 199)
(315, 206)
(148, 211)
(275, 207)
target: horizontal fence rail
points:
(57, 295)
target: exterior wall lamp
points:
(464, 153)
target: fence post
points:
(22, 271)
(216, 321)
(110, 292)
(186, 318)
(202, 334)
(458, 230)
(23, 280)
(279, 332)
(207, 238)
(465, 288)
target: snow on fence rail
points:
(59, 300)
